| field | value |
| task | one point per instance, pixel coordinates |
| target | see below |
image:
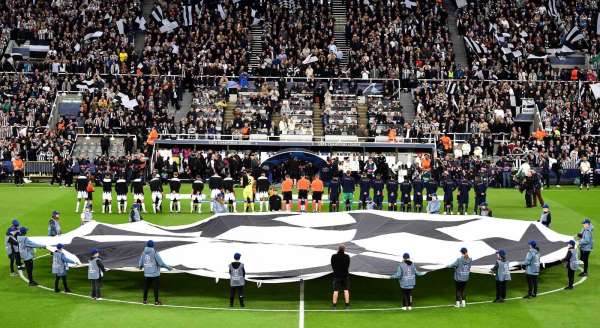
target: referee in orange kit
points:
(303, 184)
(286, 190)
(317, 193)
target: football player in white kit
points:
(107, 194)
(175, 186)
(215, 183)
(197, 195)
(137, 187)
(157, 193)
(82, 195)
(229, 193)
(262, 187)
(121, 190)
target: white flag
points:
(221, 12)
(121, 26)
(94, 35)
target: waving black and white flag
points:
(451, 88)
(552, 8)
(141, 23)
(157, 14)
(598, 24)
(574, 35)
(187, 14)
(475, 46)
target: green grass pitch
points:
(36, 307)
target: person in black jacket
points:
(340, 263)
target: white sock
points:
(77, 207)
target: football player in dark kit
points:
(334, 195)
(378, 191)
(156, 189)
(365, 190)
(480, 188)
(81, 188)
(431, 187)
(464, 186)
(392, 193)
(107, 194)
(417, 186)
(448, 185)
(215, 184)
(405, 189)
(121, 190)
(175, 186)
(137, 188)
(348, 189)
(197, 195)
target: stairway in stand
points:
(338, 11)
(228, 113)
(256, 32)
(458, 43)
(408, 106)
(318, 128)
(362, 114)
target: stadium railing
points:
(38, 169)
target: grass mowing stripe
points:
(301, 306)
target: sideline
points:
(301, 308)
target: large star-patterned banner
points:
(282, 247)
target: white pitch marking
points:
(301, 309)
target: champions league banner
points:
(285, 247)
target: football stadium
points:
(299, 163)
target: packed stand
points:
(396, 41)
(296, 43)
(511, 38)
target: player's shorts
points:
(175, 196)
(214, 193)
(137, 197)
(392, 199)
(197, 197)
(262, 194)
(317, 196)
(121, 198)
(302, 194)
(287, 196)
(107, 196)
(229, 196)
(82, 195)
(341, 284)
(334, 198)
(156, 195)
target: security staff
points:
(26, 249)
(151, 262)
(392, 193)
(571, 263)
(462, 269)
(417, 186)
(378, 186)
(405, 189)
(96, 271)
(586, 244)
(501, 270)
(365, 190)
(532, 267)
(237, 280)
(464, 186)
